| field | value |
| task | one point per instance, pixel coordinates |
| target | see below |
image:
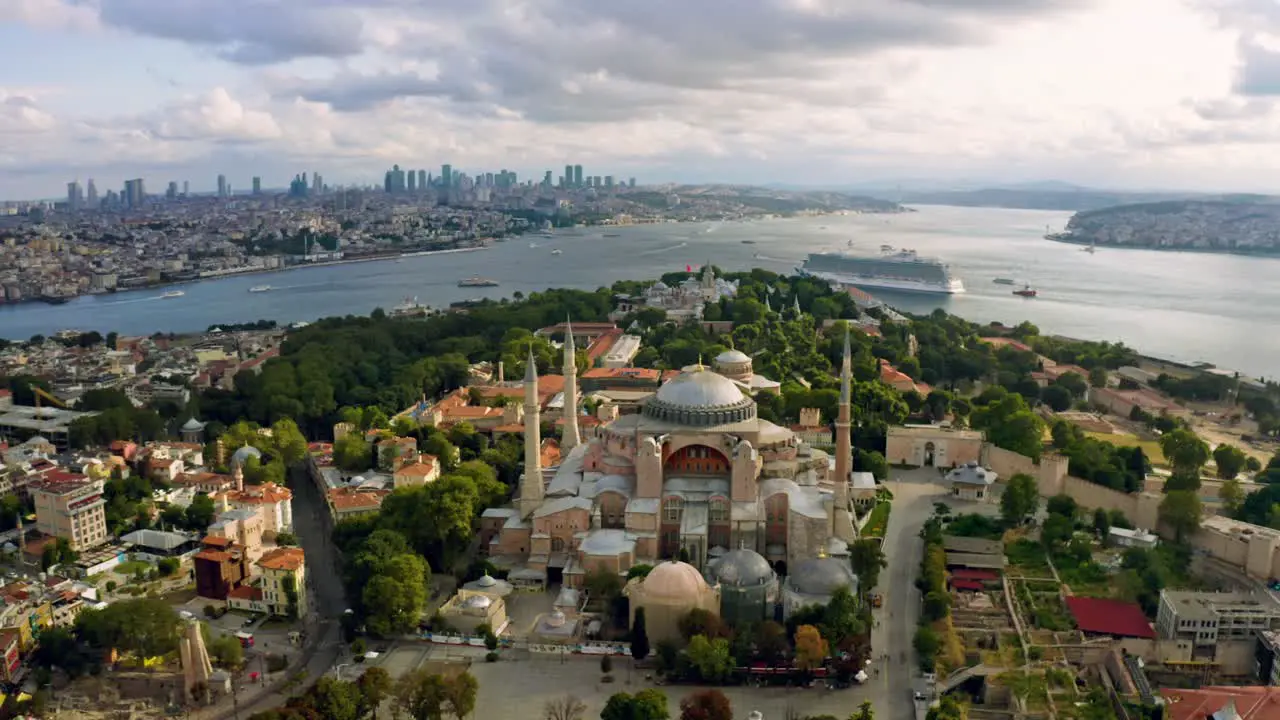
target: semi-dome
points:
(674, 580)
(478, 602)
(732, 357)
(741, 567)
(239, 457)
(822, 576)
(700, 397)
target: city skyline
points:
(803, 93)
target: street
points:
(914, 493)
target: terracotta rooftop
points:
(1000, 342)
(349, 498)
(245, 592)
(285, 558)
(426, 465)
(1250, 703)
(216, 541)
(265, 494)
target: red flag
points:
(688, 268)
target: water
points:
(1222, 309)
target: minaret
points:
(531, 482)
(569, 437)
(238, 476)
(842, 518)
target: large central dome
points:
(700, 397)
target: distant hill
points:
(1049, 195)
(1247, 224)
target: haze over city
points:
(1119, 93)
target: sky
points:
(1142, 94)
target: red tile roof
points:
(967, 585)
(975, 574)
(1110, 617)
(1252, 703)
(285, 558)
(245, 592)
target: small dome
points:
(556, 619)
(478, 602)
(239, 457)
(732, 357)
(741, 567)
(37, 440)
(674, 580)
(192, 425)
(700, 388)
(486, 581)
(822, 576)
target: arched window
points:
(557, 544)
(672, 508)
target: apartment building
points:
(71, 506)
(284, 576)
(1201, 621)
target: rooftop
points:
(285, 558)
(1192, 603)
(1249, 703)
(1109, 617)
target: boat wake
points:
(664, 249)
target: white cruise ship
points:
(894, 270)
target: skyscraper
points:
(546, 180)
(257, 185)
(422, 180)
(315, 183)
(568, 176)
(608, 182)
(134, 194)
(91, 195)
(73, 196)
(172, 192)
(413, 181)
(631, 182)
(446, 176)
(222, 186)
(577, 176)
(186, 188)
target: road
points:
(313, 528)
(914, 493)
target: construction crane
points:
(39, 392)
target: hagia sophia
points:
(695, 474)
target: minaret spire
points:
(842, 519)
(531, 489)
(569, 438)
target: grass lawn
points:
(878, 521)
(130, 567)
(1150, 447)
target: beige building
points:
(243, 527)
(273, 502)
(469, 609)
(667, 594)
(694, 471)
(1201, 624)
(932, 446)
(71, 506)
(284, 577)
(426, 469)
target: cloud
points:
(214, 116)
(251, 32)
(21, 116)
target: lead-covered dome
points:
(822, 576)
(674, 580)
(242, 455)
(741, 568)
(700, 397)
(732, 357)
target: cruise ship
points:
(893, 270)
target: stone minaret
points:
(531, 483)
(238, 476)
(569, 439)
(841, 517)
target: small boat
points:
(261, 288)
(748, 242)
(1091, 249)
(477, 281)
(1026, 291)
(1005, 281)
(533, 246)
(173, 294)
(557, 251)
(611, 235)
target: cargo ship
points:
(477, 281)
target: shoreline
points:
(1270, 254)
(241, 273)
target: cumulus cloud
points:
(214, 116)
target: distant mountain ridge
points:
(1039, 196)
(1244, 224)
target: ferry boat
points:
(411, 308)
(477, 281)
(1026, 291)
(557, 251)
(893, 270)
(261, 288)
(173, 294)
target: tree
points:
(711, 658)
(1063, 505)
(871, 461)
(200, 512)
(460, 694)
(1232, 495)
(1101, 524)
(639, 637)
(701, 622)
(1098, 377)
(1181, 509)
(1185, 451)
(706, 705)
(353, 453)
(865, 712)
(225, 650)
(1230, 460)
(419, 695)
(1056, 531)
(1020, 498)
(144, 627)
(1252, 464)
(567, 707)
(375, 687)
(1057, 397)
(867, 559)
(811, 648)
(1010, 424)
(648, 704)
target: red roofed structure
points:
(1098, 616)
(1249, 703)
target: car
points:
(248, 622)
(917, 695)
(185, 615)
